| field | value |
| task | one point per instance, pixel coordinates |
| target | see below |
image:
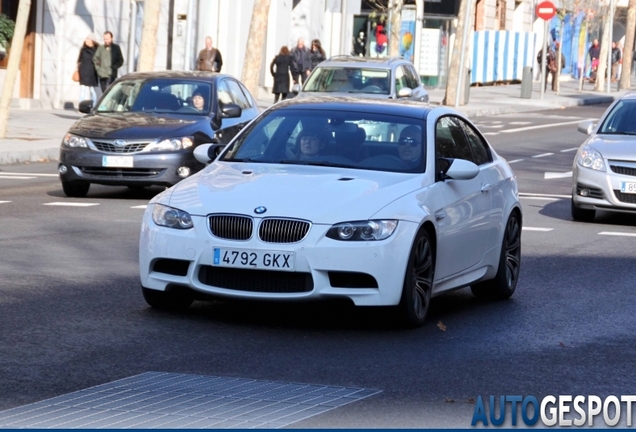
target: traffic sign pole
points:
(544, 58)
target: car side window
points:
(411, 76)
(237, 94)
(400, 79)
(450, 140)
(223, 93)
(481, 151)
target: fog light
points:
(584, 192)
(62, 169)
(183, 172)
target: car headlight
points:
(171, 144)
(71, 140)
(171, 217)
(590, 158)
(362, 230)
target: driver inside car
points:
(198, 101)
(311, 143)
(410, 145)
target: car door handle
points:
(486, 187)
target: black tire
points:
(172, 300)
(582, 215)
(75, 190)
(418, 282)
(503, 285)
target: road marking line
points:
(140, 206)
(527, 128)
(491, 133)
(520, 123)
(544, 195)
(71, 204)
(540, 198)
(4, 202)
(31, 174)
(613, 233)
(542, 155)
(553, 175)
(537, 229)
(569, 150)
(16, 177)
(514, 161)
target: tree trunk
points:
(396, 25)
(13, 67)
(148, 46)
(628, 50)
(255, 46)
(606, 45)
(453, 71)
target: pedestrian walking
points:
(86, 72)
(302, 62)
(281, 68)
(594, 52)
(316, 53)
(551, 68)
(210, 58)
(107, 60)
(617, 56)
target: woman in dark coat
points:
(280, 69)
(86, 68)
(316, 53)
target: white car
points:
(302, 205)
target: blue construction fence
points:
(500, 56)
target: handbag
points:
(75, 76)
(295, 88)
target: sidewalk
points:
(35, 135)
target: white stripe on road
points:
(491, 133)
(542, 155)
(4, 202)
(71, 204)
(140, 206)
(514, 161)
(526, 194)
(16, 177)
(540, 198)
(31, 174)
(569, 150)
(553, 175)
(537, 229)
(613, 233)
(527, 128)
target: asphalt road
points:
(72, 315)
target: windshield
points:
(357, 140)
(349, 80)
(621, 120)
(157, 96)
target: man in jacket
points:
(107, 60)
(302, 62)
(617, 56)
(210, 58)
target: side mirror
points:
(206, 153)
(405, 92)
(460, 169)
(85, 106)
(586, 127)
(231, 111)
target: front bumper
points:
(368, 273)
(157, 168)
(603, 190)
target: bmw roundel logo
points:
(260, 210)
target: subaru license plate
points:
(117, 161)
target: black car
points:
(146, 125)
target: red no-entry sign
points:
(546, 10)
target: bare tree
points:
(148, 47)
(605, 51)
(255, 46)
(451, 95)
(628, 50)
(13, 66)
(395, 8)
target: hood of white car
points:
(318, 194)
(612, 146)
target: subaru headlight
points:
(363, 230)
(71, 140)
(590, 158)
(171, 217)
(171, 144)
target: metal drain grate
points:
(170, 400)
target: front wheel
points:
(174, 300)
(582, 215)
(418, 282)
(503, 285)
(75, 190)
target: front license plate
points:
(117, 161)
(264, 260)
(628, 187)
